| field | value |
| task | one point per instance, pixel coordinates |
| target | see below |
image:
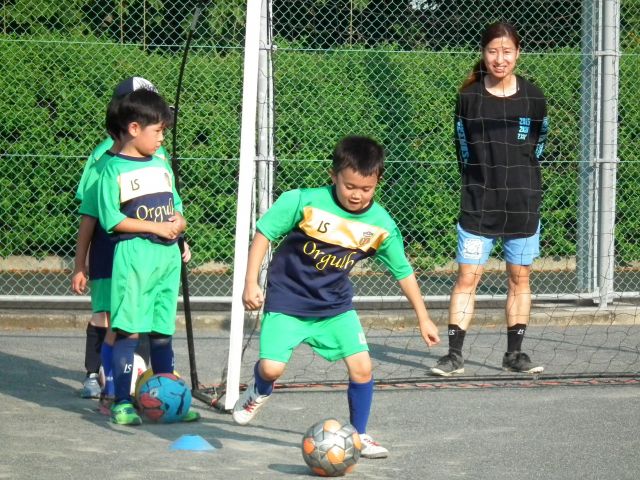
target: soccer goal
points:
(350, 78)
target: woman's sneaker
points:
(91, 387)
(520, 362)
(371, 448)
(451, 364)
(248, 404)
(124, 414)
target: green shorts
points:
(332, 338)
(101, 295)
(144, 286)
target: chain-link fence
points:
(385, 69)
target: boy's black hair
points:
(362, 154)
(143, 106)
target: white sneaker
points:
(91, 387)
(248, 404)
(371, 448)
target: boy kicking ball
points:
(309, 295)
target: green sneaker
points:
(124, 414)
(191, 416)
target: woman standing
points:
(500, 130)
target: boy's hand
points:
(429, 332)
(79, 281)
(252, 297)
(186, 253)
(168, 230)
(179, 220)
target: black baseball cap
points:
(132, 84)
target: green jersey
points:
(95, 155)
(141, 188)
(309, 273)
(102, 245)
(89, 200)
(90, 176)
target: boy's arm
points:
(85, 233)
(410, 288)
(252, 297)
(170, 230)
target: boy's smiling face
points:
(354, 191)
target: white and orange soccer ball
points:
(331, 448)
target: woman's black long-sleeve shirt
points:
(499, 142)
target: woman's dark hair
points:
(362, 154)
(145, 107)
(491, 32)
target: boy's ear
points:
(134, 129)
(332, 175)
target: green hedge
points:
(53, 98)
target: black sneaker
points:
(451, 364)
(520, 362)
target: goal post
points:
(245, 197)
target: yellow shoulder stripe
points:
(335, 230)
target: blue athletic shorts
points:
(475, 249)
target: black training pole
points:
(175, 166)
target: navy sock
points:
(107, 358)
(122, 364)
(515, 335)
(264, 387)
(360, 396)
(161, 353)
(95, 337)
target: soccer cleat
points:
(124, 414)
(371, 448)
(248, 404)
(519, 362)
(91, 387)
(190, 416)
(451, 364)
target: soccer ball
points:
(331, 448)
(141, 380)
(163, 398)
(139, 368)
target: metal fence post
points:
(586, 234)
(609, 51)
(264, 180)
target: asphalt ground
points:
(496, 430)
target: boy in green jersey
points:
(309, 295)
(94, 258)
(139, 207)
